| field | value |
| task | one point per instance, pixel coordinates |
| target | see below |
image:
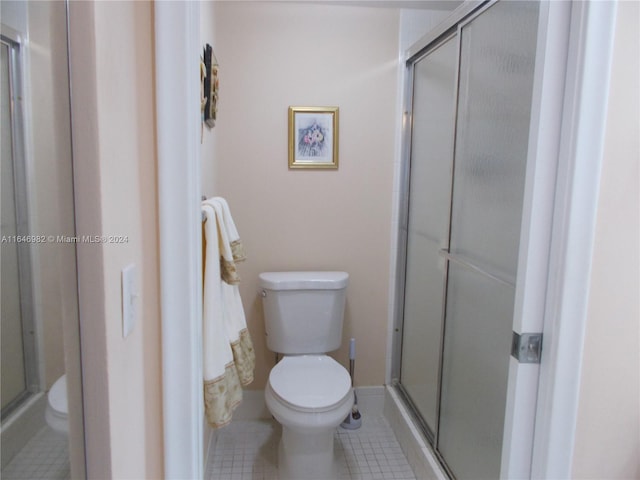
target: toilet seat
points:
(57, 397)
(310, 383)
(56, 413)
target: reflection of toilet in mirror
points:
(308, 392)
(57, 406)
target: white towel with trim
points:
(222, 390)
(228, 268)
(234, 238)
(235, 320)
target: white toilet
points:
(308, 392)
(57, 410)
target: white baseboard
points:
(418, 453)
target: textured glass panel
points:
(495, 89)
(496, 80)
(432, 143)
(429, 200)
(474, 376)
(423, 327)
(11, 348)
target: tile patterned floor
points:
(44, 457)
(248, 450)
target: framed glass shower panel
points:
(14, 383)
(475, 373)
(497, 58)
(19, 357)
(428, 225)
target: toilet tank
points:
(303, 311)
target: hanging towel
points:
(235, 320)
(222, 390)
(234, 238)
(228, 268)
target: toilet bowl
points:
(309, 395)
(57, 410)
(308, 392)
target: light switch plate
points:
(129, 299)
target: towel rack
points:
(204, 217)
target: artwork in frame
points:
(313, 137)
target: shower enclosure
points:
(466, 151)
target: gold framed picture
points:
(313, 137)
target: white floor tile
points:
(369, 453)
(44, 457)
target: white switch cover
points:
(129, 299)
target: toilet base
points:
(58, 424)
(305, 456)
(306, 448)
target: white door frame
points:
(586, 91)
(177, 77)
(566, 142)
(535, 236)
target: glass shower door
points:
(428, 226)
(497, 57)
(13, 379)
(17, 365)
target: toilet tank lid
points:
(303, 280)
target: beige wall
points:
(114, 149)
(274, 55)
(608, 428)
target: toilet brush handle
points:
(352, 359)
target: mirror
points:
(41, 384)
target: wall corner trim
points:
(177, 51)
(581, 151)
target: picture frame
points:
(313, 137)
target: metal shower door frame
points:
(12, 40)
